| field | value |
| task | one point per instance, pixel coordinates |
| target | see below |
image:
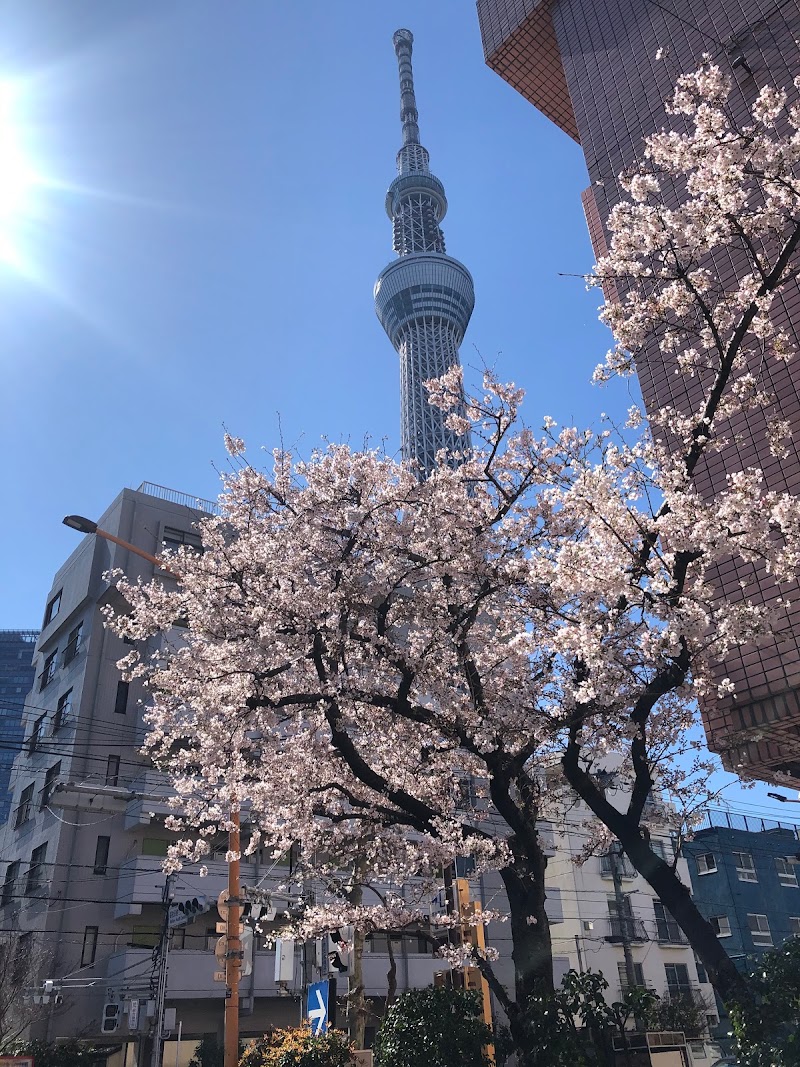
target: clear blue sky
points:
(204, 247)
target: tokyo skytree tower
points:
(424, 298)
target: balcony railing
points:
(685, 993)
(47, 675)
(620, 929)
(72, 650)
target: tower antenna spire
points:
(403, 41)
(424, 299)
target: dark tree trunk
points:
(530, 931)
(673, 894)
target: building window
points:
(794, 925)
(121, 699)
(155, 846)
(10, 883)
(721, 924)
(745, 869)
(698, 1050)
(666, 927)
(49, 781)
(638, 974)
(787, 874)
(36, 869)
(63, 711)
(662, 848)
(52, 609)
(706, 863)
(702, 976)
(48, 670)
(145, 936)
(25, 806)
(101, 855)
(112, 770)
(759, 929)
(89, 945)
(174, 538)
(73, 644)
(36, 735)
(678, 984)
(626, 870)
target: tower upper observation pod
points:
(425, 298)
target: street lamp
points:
(86, 526)
(783, 799)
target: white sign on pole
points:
(133, 1015)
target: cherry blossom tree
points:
(396, 672)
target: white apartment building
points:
(591, 934)
(83, 847)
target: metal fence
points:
(196, 503)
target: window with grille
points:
(721, 924)
(794, 925)
(89, 945)
(73, 645)
(173, 538)
(706, 863)
(745, 868)
(36, 735)
(662, 848)
(49, 781)
(36, 869)
(623, 975)
(48, 670)
(624, 866)
(759, 929)
(10, 883)
(63, 711)
(25, 807)
(787, 872)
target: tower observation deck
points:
(423, 299)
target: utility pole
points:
(623, 916)
(233, 954)
(161, 988)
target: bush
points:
(297, 1047)
(71, 1053)
(434, 1028)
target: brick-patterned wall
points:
(616, 87)
(520, 45)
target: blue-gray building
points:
(745, 876)
(16, 681)
(424, 299)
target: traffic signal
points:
(110, 1023)
(193, 907)
(340, 944)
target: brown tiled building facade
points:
(591, 66)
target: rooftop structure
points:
(424, 299)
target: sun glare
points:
(17, 177)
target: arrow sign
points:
(317, 1007)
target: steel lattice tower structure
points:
(425, 298)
